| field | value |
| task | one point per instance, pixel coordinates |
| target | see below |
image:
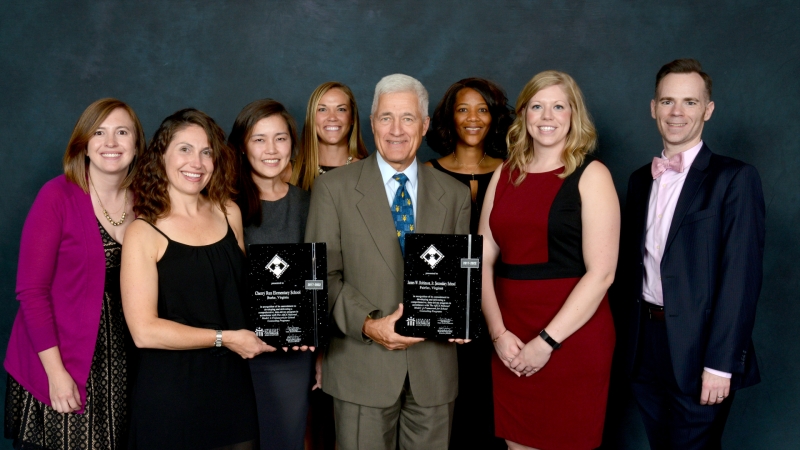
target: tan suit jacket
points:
(350, 212)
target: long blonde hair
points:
(581, 138)
(306, 167)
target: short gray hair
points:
(398, 82)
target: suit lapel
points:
(374, 209)
(431, 213)
(694, 179)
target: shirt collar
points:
(387, 171)
(688, 156)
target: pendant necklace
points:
(464, 165)
(105, 213)
(473, 183)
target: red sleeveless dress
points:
(537, 226)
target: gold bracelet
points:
(498, 336)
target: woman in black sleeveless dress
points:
(182, 269)
(468, 129)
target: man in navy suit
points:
(690, 271)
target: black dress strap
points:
(436, 165)
(156, 228)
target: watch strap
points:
(556, 345)
(218, 340)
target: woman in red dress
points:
(550, 223)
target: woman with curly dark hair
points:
(468, 129)
(181, 278)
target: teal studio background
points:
(57, 57)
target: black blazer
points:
(711, 269)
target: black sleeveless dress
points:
(483, 180)
(196, 399)
(473, 414)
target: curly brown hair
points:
(442, 137)
(150, 184)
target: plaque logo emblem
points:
(410, 321)
(432, 256)
(277, 266)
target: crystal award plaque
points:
(287, 302)
(442, 286)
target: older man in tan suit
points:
(388, 389)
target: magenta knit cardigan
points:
(60, 281)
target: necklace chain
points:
(105, 213)
(349, 160)
(476, 165)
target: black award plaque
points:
(442, 286)
(287, 302)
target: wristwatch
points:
(218, 340)
(556, 345)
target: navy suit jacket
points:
(711, 269)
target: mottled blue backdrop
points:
(57, 57)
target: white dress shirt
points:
(391, 185)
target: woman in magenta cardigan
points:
(66, 359)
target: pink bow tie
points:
(660, 165)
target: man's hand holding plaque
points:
(383, 331)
